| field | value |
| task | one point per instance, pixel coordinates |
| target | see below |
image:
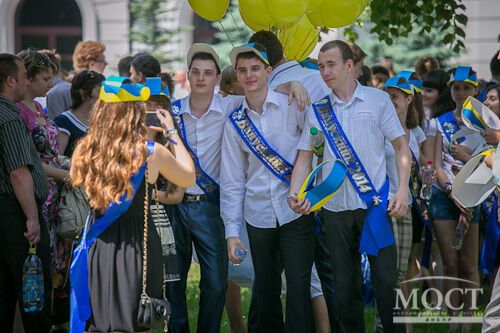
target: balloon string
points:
(310, 43)
(223, 29)
(236, 24)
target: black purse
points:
(153, 312)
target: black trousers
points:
(13, 251)
(343, 231)
(325, 270)
(289, 247)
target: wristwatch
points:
(448, 188)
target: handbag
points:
(152, 311)
(72, 211)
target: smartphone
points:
(152, 119)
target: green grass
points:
(193, 300)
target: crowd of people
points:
(209, 163)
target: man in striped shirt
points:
(23, 188)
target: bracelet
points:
(291, 196)
(169, 132)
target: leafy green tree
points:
(148, 32)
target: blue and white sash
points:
(490, 244)
(80, 309)
(422, 208)
(377, 233)
(449, 126)
(203, 180)
(258, 145)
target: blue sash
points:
(490, 244)
(449, 126)
(422, 209)
(377, 233)
(259, 146)
(80, 309)
(203, 180)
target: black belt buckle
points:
(194, 197)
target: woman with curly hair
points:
(115, 164)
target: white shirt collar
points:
(214, 105)
(271, 98)
(358, 94)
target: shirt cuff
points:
(232, 230)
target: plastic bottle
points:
(317, 141)
(240, 253)
(426, 190)
(33, 288)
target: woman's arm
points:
(55, 173)
(442, 178)
(62, 141)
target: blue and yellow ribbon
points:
(320, 194)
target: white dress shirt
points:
(204, 134)
(368, 119)
(417, 136)
(309, 78)
(249, 191)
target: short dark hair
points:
(124, 66)
(252, 55)
(146, 64)
(8, 67)
(366, 76)
(495, 65)
(344, 48)
(204, 56)
(86, 81)
(379, 69)
(271, 43)
(36, 62)
(357, 53)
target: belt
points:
(194, 197)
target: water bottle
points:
(458, 239)
(317, 141)
(240, 253)
(426, 190)
(33, 289)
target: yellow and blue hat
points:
(417, 85)
(400, 83)
(233, 55)
(155, 87)
(464, 74)
(120, 89)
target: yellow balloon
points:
(212, 10)
(299, 40)
(312, 5)
(337, 13)
(255, 11)
(252, 25)
(315, 18)
(286, 11)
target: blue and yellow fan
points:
(120, 89)
(478, 117)
(320, 194)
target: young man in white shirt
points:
(258, 146)
(201, 118)
(356, 121)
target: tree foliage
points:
(148, 31)
(393, 19)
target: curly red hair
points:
(113, 150)
(85, 52)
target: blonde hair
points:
(85, 52)
(113, 150)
